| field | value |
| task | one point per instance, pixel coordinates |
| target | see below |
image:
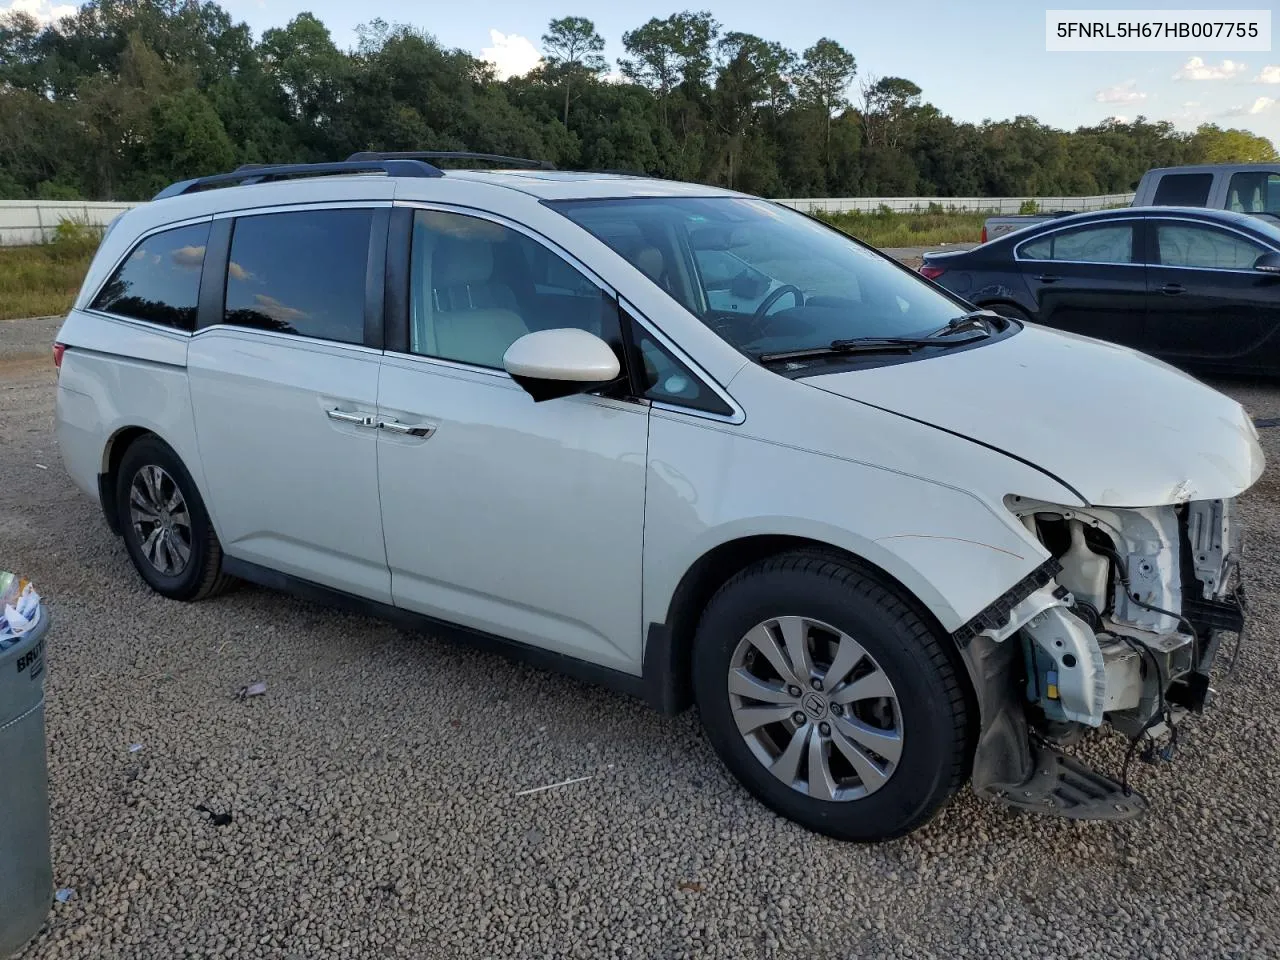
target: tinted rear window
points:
(301, 273)
(160, 279)
(1183, 190)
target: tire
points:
(1010, 311)
(868, 795)
(179, 560)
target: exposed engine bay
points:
(1121, 627)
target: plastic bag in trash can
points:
(19, 609)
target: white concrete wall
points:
(994, 205)
(34, 221)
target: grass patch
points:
(884, 228)
(43, 280)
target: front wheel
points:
(830, 699)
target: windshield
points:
(765, 278)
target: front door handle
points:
(420, 430)
(1048, 278)
(1173, 289)
(345, 416)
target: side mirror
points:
(1268, 263)
(559, 363)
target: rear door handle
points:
(346, 416)
(1048, 278)
(420, 430)
(1173, 289)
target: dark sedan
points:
(1198, 288)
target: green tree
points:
(1215, 145)
(823, 82)
(886, 104)
(572, 49)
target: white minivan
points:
(682, 441)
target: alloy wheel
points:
(161, 520)
(815, 708)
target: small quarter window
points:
(1041, 249)
(664, 378)
(301, 272)
(159, 281)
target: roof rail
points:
(452, 155)
(260, 173)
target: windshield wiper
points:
(858, 345)
(982, 319)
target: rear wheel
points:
(164, 523)
(830, 699)
(1010, 311)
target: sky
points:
(974, 61)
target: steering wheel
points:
(761, 312)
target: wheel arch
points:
(113, 452)
(668, 651)
(1004, 300)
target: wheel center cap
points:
(814, 705)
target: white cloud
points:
(511, 54)
(1269, 74)
(1196, 69)
(1261, 105)
(1118, 118)
(1126, 92)
(42, 10)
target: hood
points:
(1121, 428)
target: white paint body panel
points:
(924, 505)
(290, 488)
(517, 518)
(569, 524)
(1124, 429)
(120, 375)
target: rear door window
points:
(1183, 190)
(301, 272)
(1108, 243)
(159, 281)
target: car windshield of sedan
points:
(765, 278)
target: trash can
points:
(26, 867)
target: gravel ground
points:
(366, 805)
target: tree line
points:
(125, 96)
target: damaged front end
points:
(1121, 626)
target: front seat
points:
(649, 260)
(475, 316)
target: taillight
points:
(930, 272)
(58, 350)
(984, 234)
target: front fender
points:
(954, 551)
